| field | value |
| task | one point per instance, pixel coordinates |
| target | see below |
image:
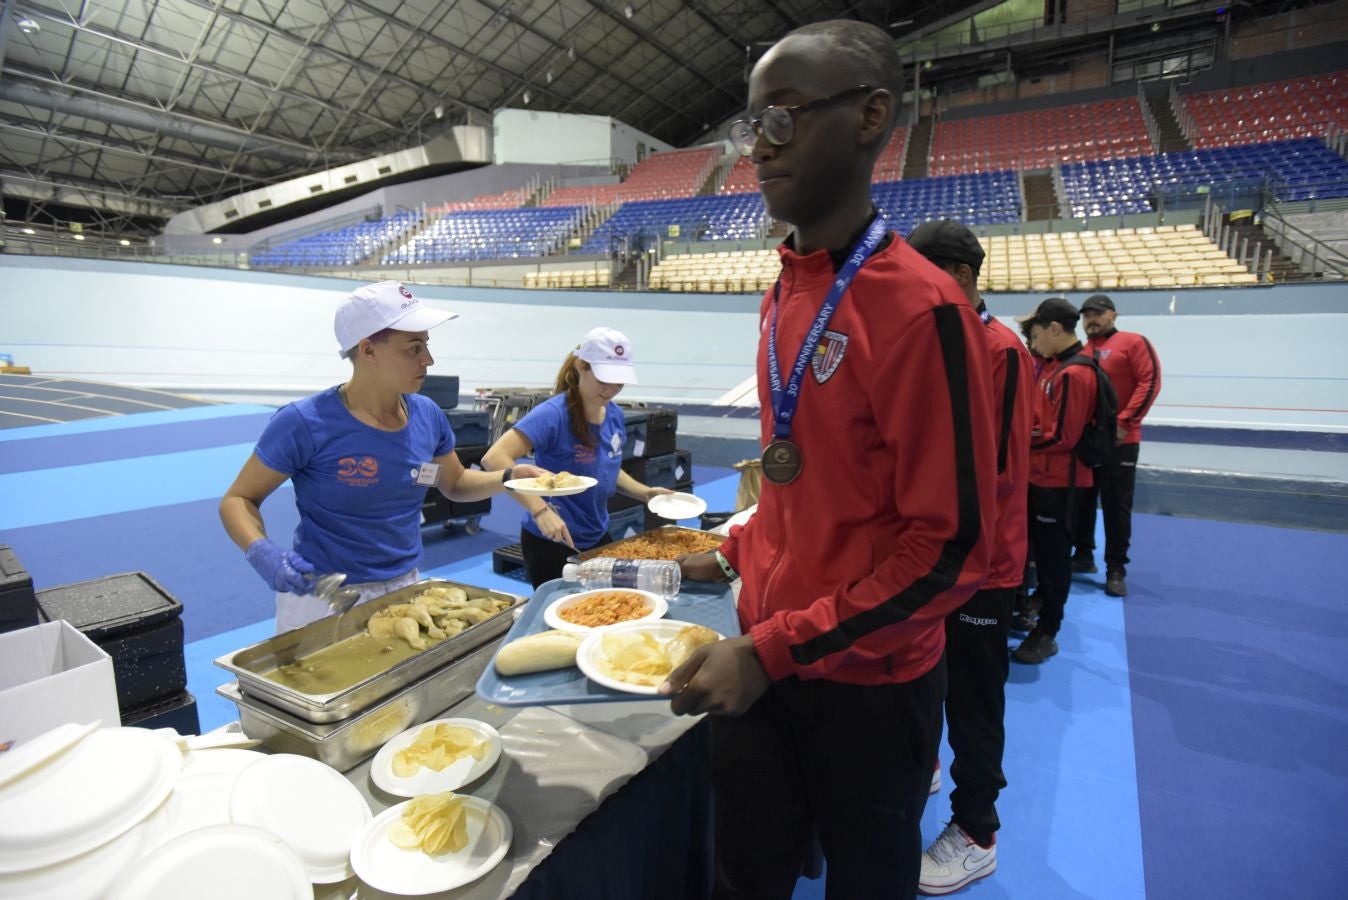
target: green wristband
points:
(726, 568)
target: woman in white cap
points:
(578, 430)
(361, 456)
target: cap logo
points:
(402, 289)
(619, 350)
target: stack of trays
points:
(139, 624)
(344, 727)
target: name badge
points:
(427, 474)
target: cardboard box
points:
(49, 675)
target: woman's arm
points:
(468, 485)
(509, 447)
(241, 507)
(630, 487)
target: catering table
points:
(606, 800)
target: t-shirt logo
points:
(616, 442)
(584, 455)
(358, 471)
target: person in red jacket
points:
(976, 634)
(1056, 473)
(1130, 362)
(878, 507)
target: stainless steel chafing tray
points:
(249, 664)
(343, 745)
(607, 549)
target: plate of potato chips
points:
(440, 755)
(431, 843)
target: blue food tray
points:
(702, 604)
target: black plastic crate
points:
(178, 712)
(618, 502)
(148, 663)
(443, 389)
(653, 471)
(470, 454)
(115, 604)
(662, 425)
(471, 426)
(634, 443)
(508, 560)
(18, 603)
(683, 466)
(439, 508)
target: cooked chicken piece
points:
(381, 628)
(470, 614)
(419, 614)
(407, 629)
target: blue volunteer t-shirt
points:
(548, 428)
(359, 503)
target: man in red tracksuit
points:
(1129, 360)
(976, 633)
(1068, 404)
(827, 712)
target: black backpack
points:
(1097, 443)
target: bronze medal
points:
(781, 462)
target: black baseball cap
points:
(1098, 303)
(947, 239)
(1056, 309)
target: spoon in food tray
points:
(328, 588)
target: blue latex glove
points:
(283, 569)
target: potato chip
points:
(433, 824)
(436, 747)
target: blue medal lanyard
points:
(786, 398)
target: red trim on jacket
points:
(1133, 368)
(1067, 402)
(849, 571)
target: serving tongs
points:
(328, 588)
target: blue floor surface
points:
(1186, 742)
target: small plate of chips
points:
(431, 844)
(440, 755)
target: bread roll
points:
(538, 653)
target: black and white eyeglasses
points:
(778, 123)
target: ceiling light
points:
(124, 242)
(27, 25)
(439, 112)
(627, 10)
(549, 76)
(571, 53)
(527, 98)
(79, 237)
(217, 240)
(29, 231)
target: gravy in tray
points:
(342, 665)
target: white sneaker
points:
(935, 779)
(954, 861)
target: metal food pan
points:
(607, 549)
(249, 664)
(343, 745)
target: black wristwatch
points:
(505, 475)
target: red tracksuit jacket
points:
(1132, 366)
(1014, 392)
(1066, 404)
(849, 571)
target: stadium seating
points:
(341, 247)
(1040, 138)
(510, 199)
(726, 271)
(889, 167)
(1260, 113)
(583, 195)
(588, 278)
(1295, 170)
(743, 178)
(728, 217)
(1166, 256)
(489, 234)
(981, 199)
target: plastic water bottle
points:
(659, 576)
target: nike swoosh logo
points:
(971, 862)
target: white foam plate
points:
(28, 755)
(223, 760)
(592, 651)
(223, 862)
(553, 614)
(386, 867)
(100, 789)
(87, 876)
(428, 781)
(305, 803)
(679, 505)
(528, 487)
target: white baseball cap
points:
(609, 353)
(386, 304)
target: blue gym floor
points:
(1189, 742)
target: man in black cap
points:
(1130, 362)
(976, 633)
(1068, 404)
